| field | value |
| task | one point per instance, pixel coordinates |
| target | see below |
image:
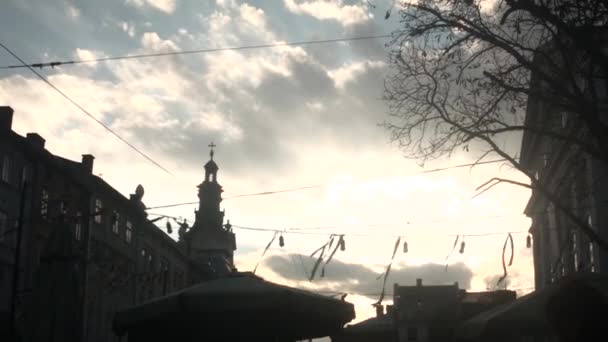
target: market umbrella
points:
(240, 306)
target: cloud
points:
(359, 279)
(127, 27)
(167, 6)
(349, 72)
(84, 54)
(72, 11)
(330, 10)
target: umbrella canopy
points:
(238, 307)
(524, 316)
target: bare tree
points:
(465, 71)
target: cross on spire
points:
(212, 145)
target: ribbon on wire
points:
(452, 251)
(508, 240)
(265, 250)
(387, 273)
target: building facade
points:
(120, 258)
(578, 180)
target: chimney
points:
(390, 310)
(6, 118)
(35, 140)
(87, 162)
(379, 310)
(419, 282)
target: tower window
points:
(211, 177)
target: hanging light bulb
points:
(528, 241)
(169, 228)
(281, 241)
(405, 250)
(462, 244)
(342, 244)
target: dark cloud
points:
(275, 116)
(356, 278)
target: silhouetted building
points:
(119, 258)
(577, 179)
(424, 313)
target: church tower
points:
(210, 243)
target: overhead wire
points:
(83, 110)
(171, 205)
(196, 51)
(301, 232)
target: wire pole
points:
(16, 263)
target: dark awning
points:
(524, 316)
(238, 306)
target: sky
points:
(282, 118)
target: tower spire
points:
(212, 145)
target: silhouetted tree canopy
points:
(466, 71)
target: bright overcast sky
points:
(282, 118)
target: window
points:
(115, 220)
(412, 334)
(98, 208)
(564, 119)
(575, 251)
(128, 231)
(6, 168)
(545, 159)
(44, 203)
(591, 257)
(3, 225)
(590, 245)
(24, 173)
(63, 207)
(78, 227)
